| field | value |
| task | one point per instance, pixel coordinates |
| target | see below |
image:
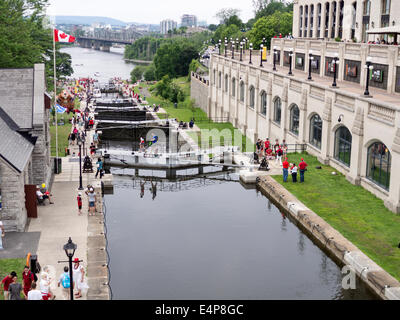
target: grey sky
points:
(151, 11)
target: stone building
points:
(25, 142)
(356, 134)
(346, 19)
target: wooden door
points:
(30, 201)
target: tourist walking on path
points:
(79, 199)
(285, 166)
(279, 154)
(6, 284)
(2, 235)
(293, 170)
(303, 168)
(27, 279)
(45, 287)
(99, 168)
(92, 201)
(95, 138)
(15, 289)
(34, 294)
(78, 276)
(65, 282)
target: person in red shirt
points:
(302, 168)
(79, 199)
(27, 279)
(268, 154)
(285, 165)
(267, 143)
(6, 283)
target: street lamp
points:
(290, 61)
(275, 58)
(369, 67)
(69, 249)
(241, 51)
(226, 46)
(310, 59)
(233, 49)
(261, 55)
(251, 49)
(219, 47)
(335, 64)
(80, 164)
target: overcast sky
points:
(149, 11)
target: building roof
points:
(15, 147)
(16, 95)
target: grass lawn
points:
(356, 213)
(8, 265)
(63, 132)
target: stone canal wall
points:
(199, 91)
(330, 240)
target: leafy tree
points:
(268, 27)
(150, 73)
(235, 20)
(212, 27)
(133, 78)
(270, 7)
(138, 72)
(225, 14)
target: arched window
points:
(219, 80)
(226, 83)
(242, 91)
(233, 87)
(378, 164)
(343, 145)
(277, 110)
(294, 119)
(316, 131)
(263, 107)
(252, 96)
(215, 77)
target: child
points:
(79, 199)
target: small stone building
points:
(25, 140)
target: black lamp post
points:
(226, 47)
(310, 59)
(219, 47)
(261, 55)
(241, 51)
(233, 49)
(237, 44)
(70, 248)
(275, 58)
(369, 67)
(290, 61)
(250, 49)
(335, 64)
(80, 164)
(263, 42)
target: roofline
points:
(10, 164)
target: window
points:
(378, 164)
(233, 87)
(226, 83)
(294, 119)
(301, 21)
(263, 103)
(242, 91)
(215, 77)
(252, 96)
(277, 110)
(343, 145)
(316, 131)
(219, 80)
(386, 6)
(367, 7)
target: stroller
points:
(264, 166)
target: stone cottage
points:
(25, 141)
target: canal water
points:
(205, 238)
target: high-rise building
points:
(189, 20)
(167, 25)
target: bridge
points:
(104, 41)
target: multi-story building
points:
(345, 19)
(189, 20)
(167, 25)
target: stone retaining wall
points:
(377, 279)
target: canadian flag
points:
(60, 36)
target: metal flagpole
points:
(55, 96)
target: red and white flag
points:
(60, 36)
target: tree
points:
(269, 7)
(212, 27)
(268, 27)
(225, 14)
(133, 78)
(138, 72)
(150, 73)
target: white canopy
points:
(386, 30)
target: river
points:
(204, 238)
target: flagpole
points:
(55, 97)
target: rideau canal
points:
(204, 238)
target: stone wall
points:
(199, 91)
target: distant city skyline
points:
(152, 12)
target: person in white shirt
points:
(42, 196)
(34, 294)
(2, 234)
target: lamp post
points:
(69, 249)
(226, 47)
(219, 47)
(275, 58)
(261, 55)
(241, 51)
(335, 64)
(80, 164)
(233, 49)
(310, 59)
(237, 44)
(369, 67)
(263, 42)
(251, 49)
(290, 61)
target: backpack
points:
(66, 282)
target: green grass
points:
(356, 213)
(8, 265)
(63, 132)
